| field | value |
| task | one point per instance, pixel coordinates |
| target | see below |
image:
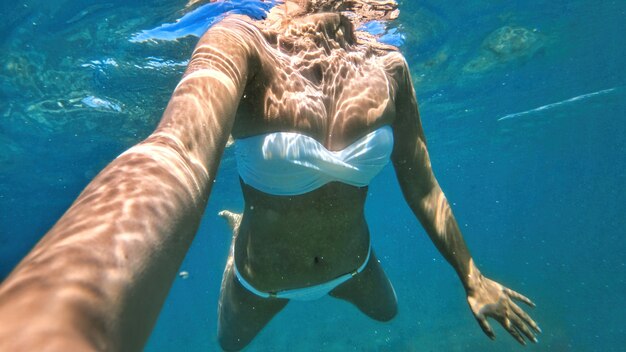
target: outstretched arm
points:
(98, 278)
(421, 190)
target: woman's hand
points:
(488, 298)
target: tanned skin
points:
(98, 278)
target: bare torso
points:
(322, 86)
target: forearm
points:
(429, 204)
(97, 279)
(435, 215)
(421, 189)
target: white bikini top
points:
(287, 163)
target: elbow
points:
(419, 190)
(428, 203)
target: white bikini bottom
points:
(306, 293)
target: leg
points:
(242, 314)
(370, 291)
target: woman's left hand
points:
(488, 298)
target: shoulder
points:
(239, 29)
(234, 30)
(397, 70)
(395, 64)
(233, 41)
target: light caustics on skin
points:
(557, 104)
(102, 238)
(307, 74)
(97, 279)
(234, 221)
(127, 232)
(308, 65)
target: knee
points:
(386, 307)
(386, 312)
(230, 343)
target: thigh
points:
(370, 291)
(242, 314)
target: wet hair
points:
(358, 11)
(370, 18)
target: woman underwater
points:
(317, 109)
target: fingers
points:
(514, 325)
(511, 328)
(520, 319)
(234, 219)
(482, 321)
(518, 297)
(520, 325)
(526, 318)
(516, 322)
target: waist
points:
(333, 197)
(298, 241)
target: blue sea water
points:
(533, 162)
